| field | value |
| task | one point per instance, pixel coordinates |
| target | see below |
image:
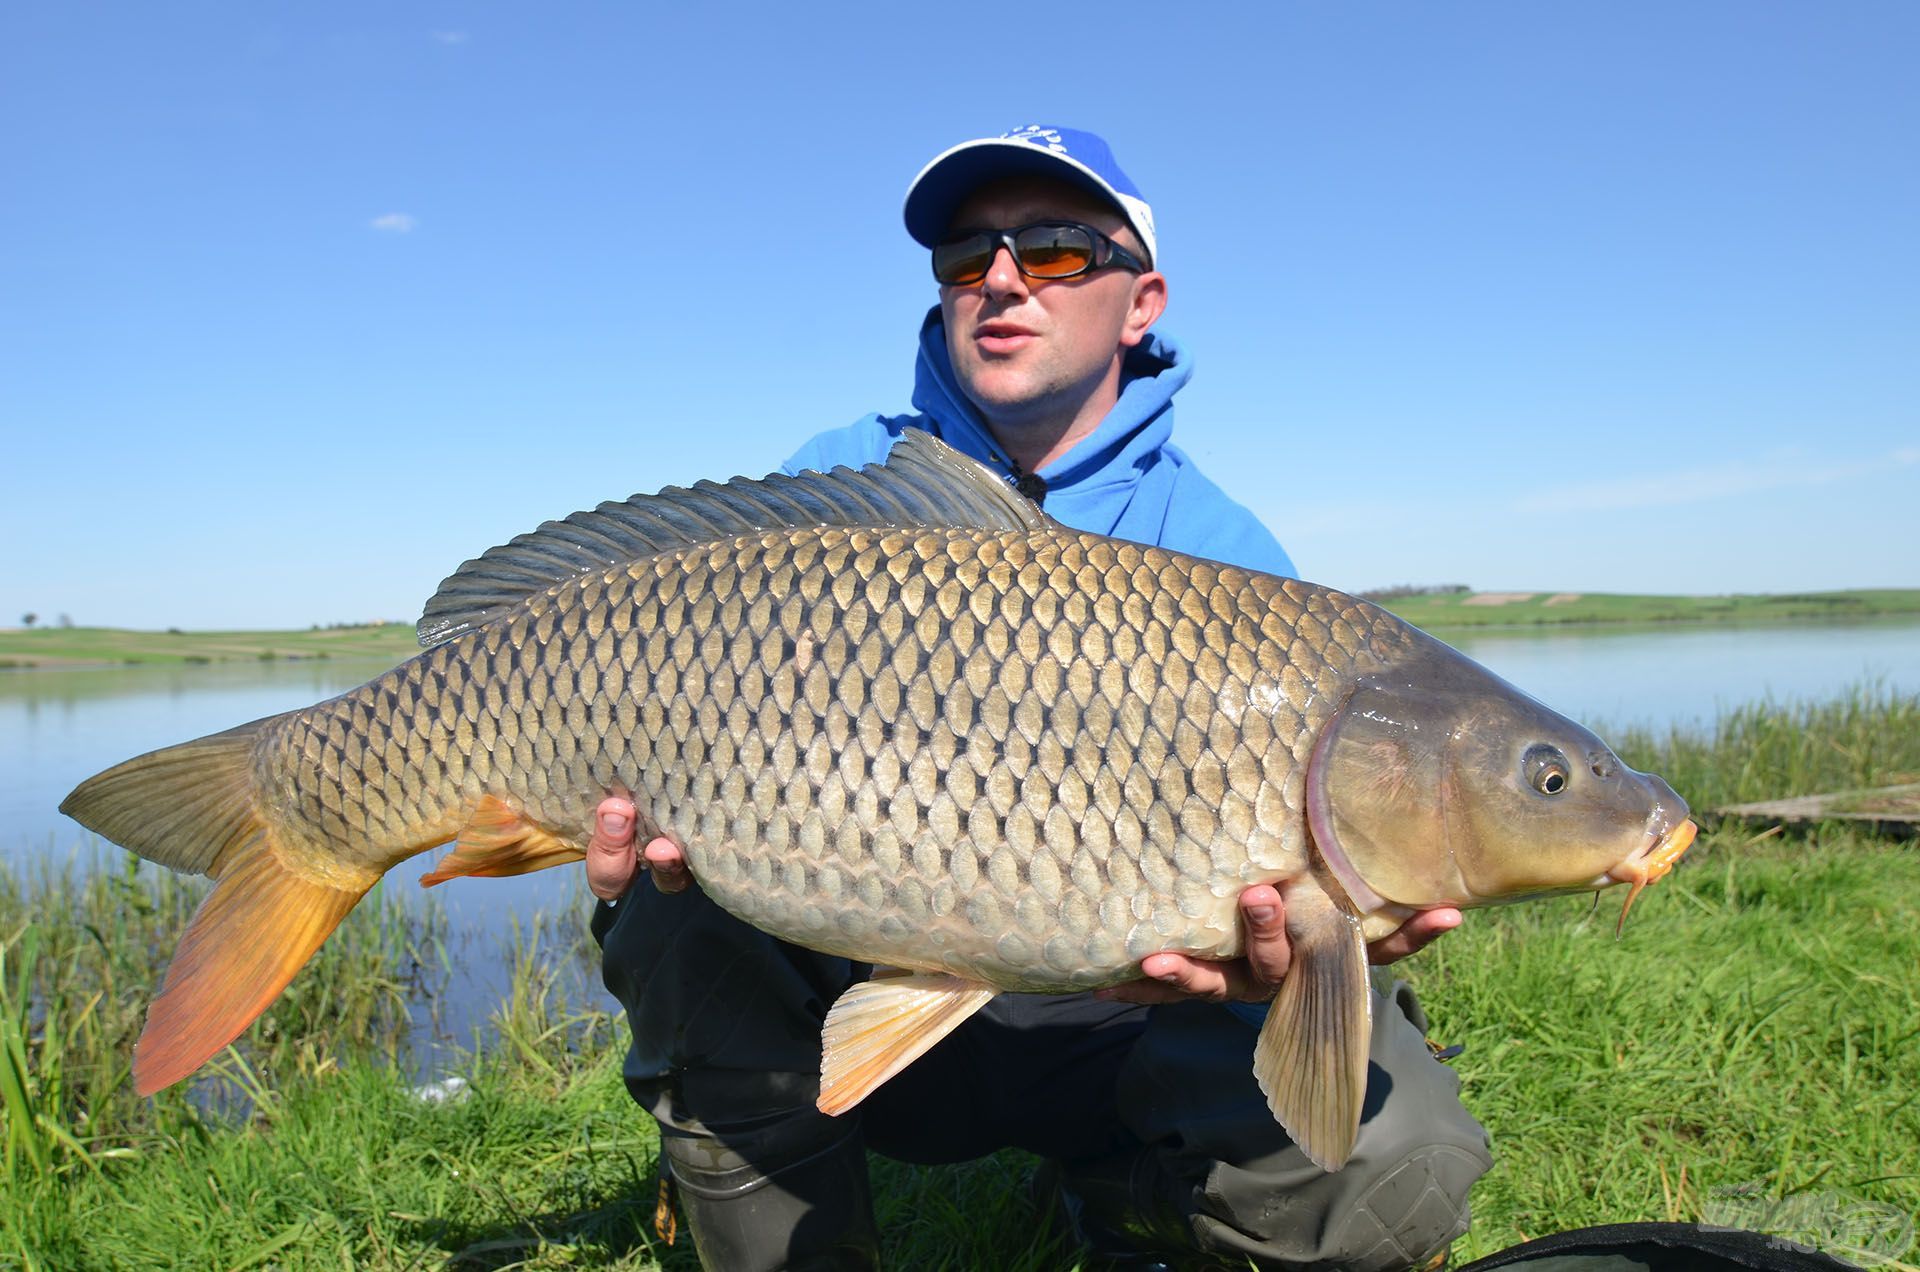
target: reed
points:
(83, 943)
(1868, 736)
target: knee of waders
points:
(1401, 1197)
(1403, 1216)
(781, 1194)
(1372, 1216)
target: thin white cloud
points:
(393, 223)
(449, 37)
(1779, 471)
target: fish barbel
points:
(902, 716)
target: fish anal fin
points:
(259, 925)
(1311, 1056)
(879, 1027)
(499, 841)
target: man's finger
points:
(1413, 936)
(611, 863)
(669, 865)
(1175, 978)
(1269, 954)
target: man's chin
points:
(1002, 391)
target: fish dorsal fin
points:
(924, 482)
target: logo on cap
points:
(1037, 135)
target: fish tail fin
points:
(189, 807)
(259, 926)
(192, 807)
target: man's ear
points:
(1148, 302)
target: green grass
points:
(1443, 611)
(92, 646)
(1758, 1027)
(1755, 1034)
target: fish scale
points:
(901, 716)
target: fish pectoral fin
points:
(879, 1027)
(1311, 1056)
(499, 841)
(259, 925)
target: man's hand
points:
(1256, 976)
(1418, 932)
(612, 863)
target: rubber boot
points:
(1121, 1211)
(810, 1213)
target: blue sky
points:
(301, 305)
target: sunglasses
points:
(1045, 249)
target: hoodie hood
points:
(1102, 466)
(1125, 479)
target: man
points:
(1040, 360)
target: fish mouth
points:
(1651, 864)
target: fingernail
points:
(614, 824)
(1172, 978)
(1261, 913)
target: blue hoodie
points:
(1125, 479)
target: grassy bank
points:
(1455, 610)
(116, 646)
(1753, 1038)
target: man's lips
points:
(1001, 337)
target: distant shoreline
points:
(96, 647)
(1473, 611)
(1441, 612)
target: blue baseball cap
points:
(1078, 157)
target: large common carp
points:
(901, 715)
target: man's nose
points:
(1004, 279)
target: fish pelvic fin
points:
(1311, 1057)
(258, 927)
(499, 841)
(879, 1027)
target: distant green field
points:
(80, 646)
(1527, 609)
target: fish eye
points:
(1546, 769)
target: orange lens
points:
(964, 261)
(1053, 251)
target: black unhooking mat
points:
(1659, 1247)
